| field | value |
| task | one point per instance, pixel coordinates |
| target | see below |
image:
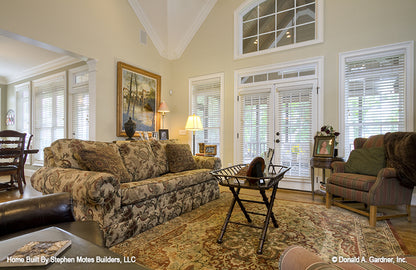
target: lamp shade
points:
(163, 107)
(193, 123)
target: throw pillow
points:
(103, 157)
(367, 161)
(138, 159)
(180, 157)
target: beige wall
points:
(105, 30)
(348, 25)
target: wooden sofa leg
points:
(373, 215)
(328, 200)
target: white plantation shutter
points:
(294, 122)
(49, 112)
(80, 115)
(374, 90)
(206, 103)
(255, 124)
(23, 107)
(80, 103)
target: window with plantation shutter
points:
(375, 91)
(294, 123)
(80, 104)
(207, 104)
(49, 112)
(255, 123)
(23, 107)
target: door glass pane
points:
(294, 122)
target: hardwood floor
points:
(405, 229)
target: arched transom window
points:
(270, 25)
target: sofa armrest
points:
(95, 188)
(338, 166)
(34, 212)
(212, 163)
(387, 189)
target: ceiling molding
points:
(195, 25)
(44, 68)
(141, 15)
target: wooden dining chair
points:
(12, 146)
(25, 154)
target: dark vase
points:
(335, 152)
(130, 128)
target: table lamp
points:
(193, 123)
(163, 108)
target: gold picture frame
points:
(324, 146)
(210, 150)
(138, 96)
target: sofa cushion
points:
(180, 157)
(138, 159)
(159, 151)
(367, 161)
(103, 157)
(63, 152)
(135, 192)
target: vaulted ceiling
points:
(171, 24)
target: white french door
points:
(294, 118)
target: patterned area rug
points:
(189, 241)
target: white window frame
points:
(219, 76)
(238, 30)
(408, 48)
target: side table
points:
(321, 163)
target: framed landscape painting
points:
(138, 96)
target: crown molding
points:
(141, 15)
(43, 68)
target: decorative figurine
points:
(130, 128)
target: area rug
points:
(189, 241)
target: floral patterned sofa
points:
(127, 187)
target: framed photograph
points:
(210, 150)
(155, 135)
(163, 134)
(138, 95)
(324, 146)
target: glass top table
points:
(270, 180)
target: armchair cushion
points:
(368, 161)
